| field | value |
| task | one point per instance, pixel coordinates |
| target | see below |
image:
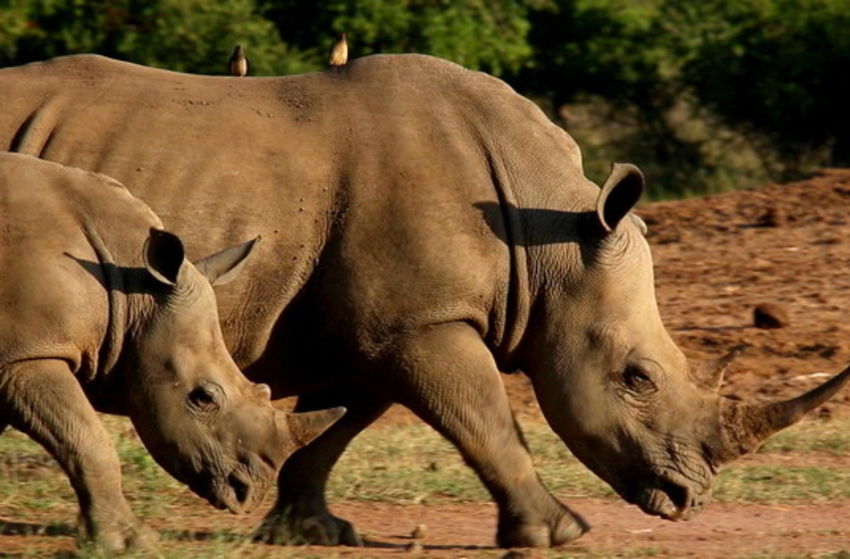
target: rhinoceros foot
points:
(562, 528)
(118, 537)
(321, 528)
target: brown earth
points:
(716, 259)
(723, 531)
(786, 245)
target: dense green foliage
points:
(785, 65)
(479, 34)
(704, 95)
(183, 35)
(712, 93)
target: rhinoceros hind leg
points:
(43, 399)
(301, 514)
(447, 376)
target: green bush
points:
(704, 96)
(717, 94)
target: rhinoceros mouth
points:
(669, 496)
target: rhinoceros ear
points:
(619, 195)
(164, 256)
(223, 267)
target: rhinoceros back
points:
(378, 180)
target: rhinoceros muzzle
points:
(669, 495)
(673, 496)
(674, 499)
(238, 492)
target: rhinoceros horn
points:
(303, 427)
(745, 426)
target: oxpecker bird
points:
(238, 64)
(339, 52)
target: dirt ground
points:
(788, 245)
(716, 259)
(723, 531)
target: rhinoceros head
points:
(200, 418)
(615, 387)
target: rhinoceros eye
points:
(204, 398)
(637, 380)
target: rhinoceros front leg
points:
(301, 515)
(447, 376)
(44, 400)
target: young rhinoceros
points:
(89, 319)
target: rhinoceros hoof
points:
(137, 536)
(567, 527)
(324, 529)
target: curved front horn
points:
(745, 426)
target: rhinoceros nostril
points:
(681, 496)
(239, 486)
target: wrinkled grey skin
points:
(424, 228)
(90, 320)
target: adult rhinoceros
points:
(424, 228)
(89, 320)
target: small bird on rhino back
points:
(339, 52)
(238, 63)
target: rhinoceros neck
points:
(511, 328)
(116, 225)
(544, 200)
(111, 348)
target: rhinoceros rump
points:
(424, 228)
(89, 320)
